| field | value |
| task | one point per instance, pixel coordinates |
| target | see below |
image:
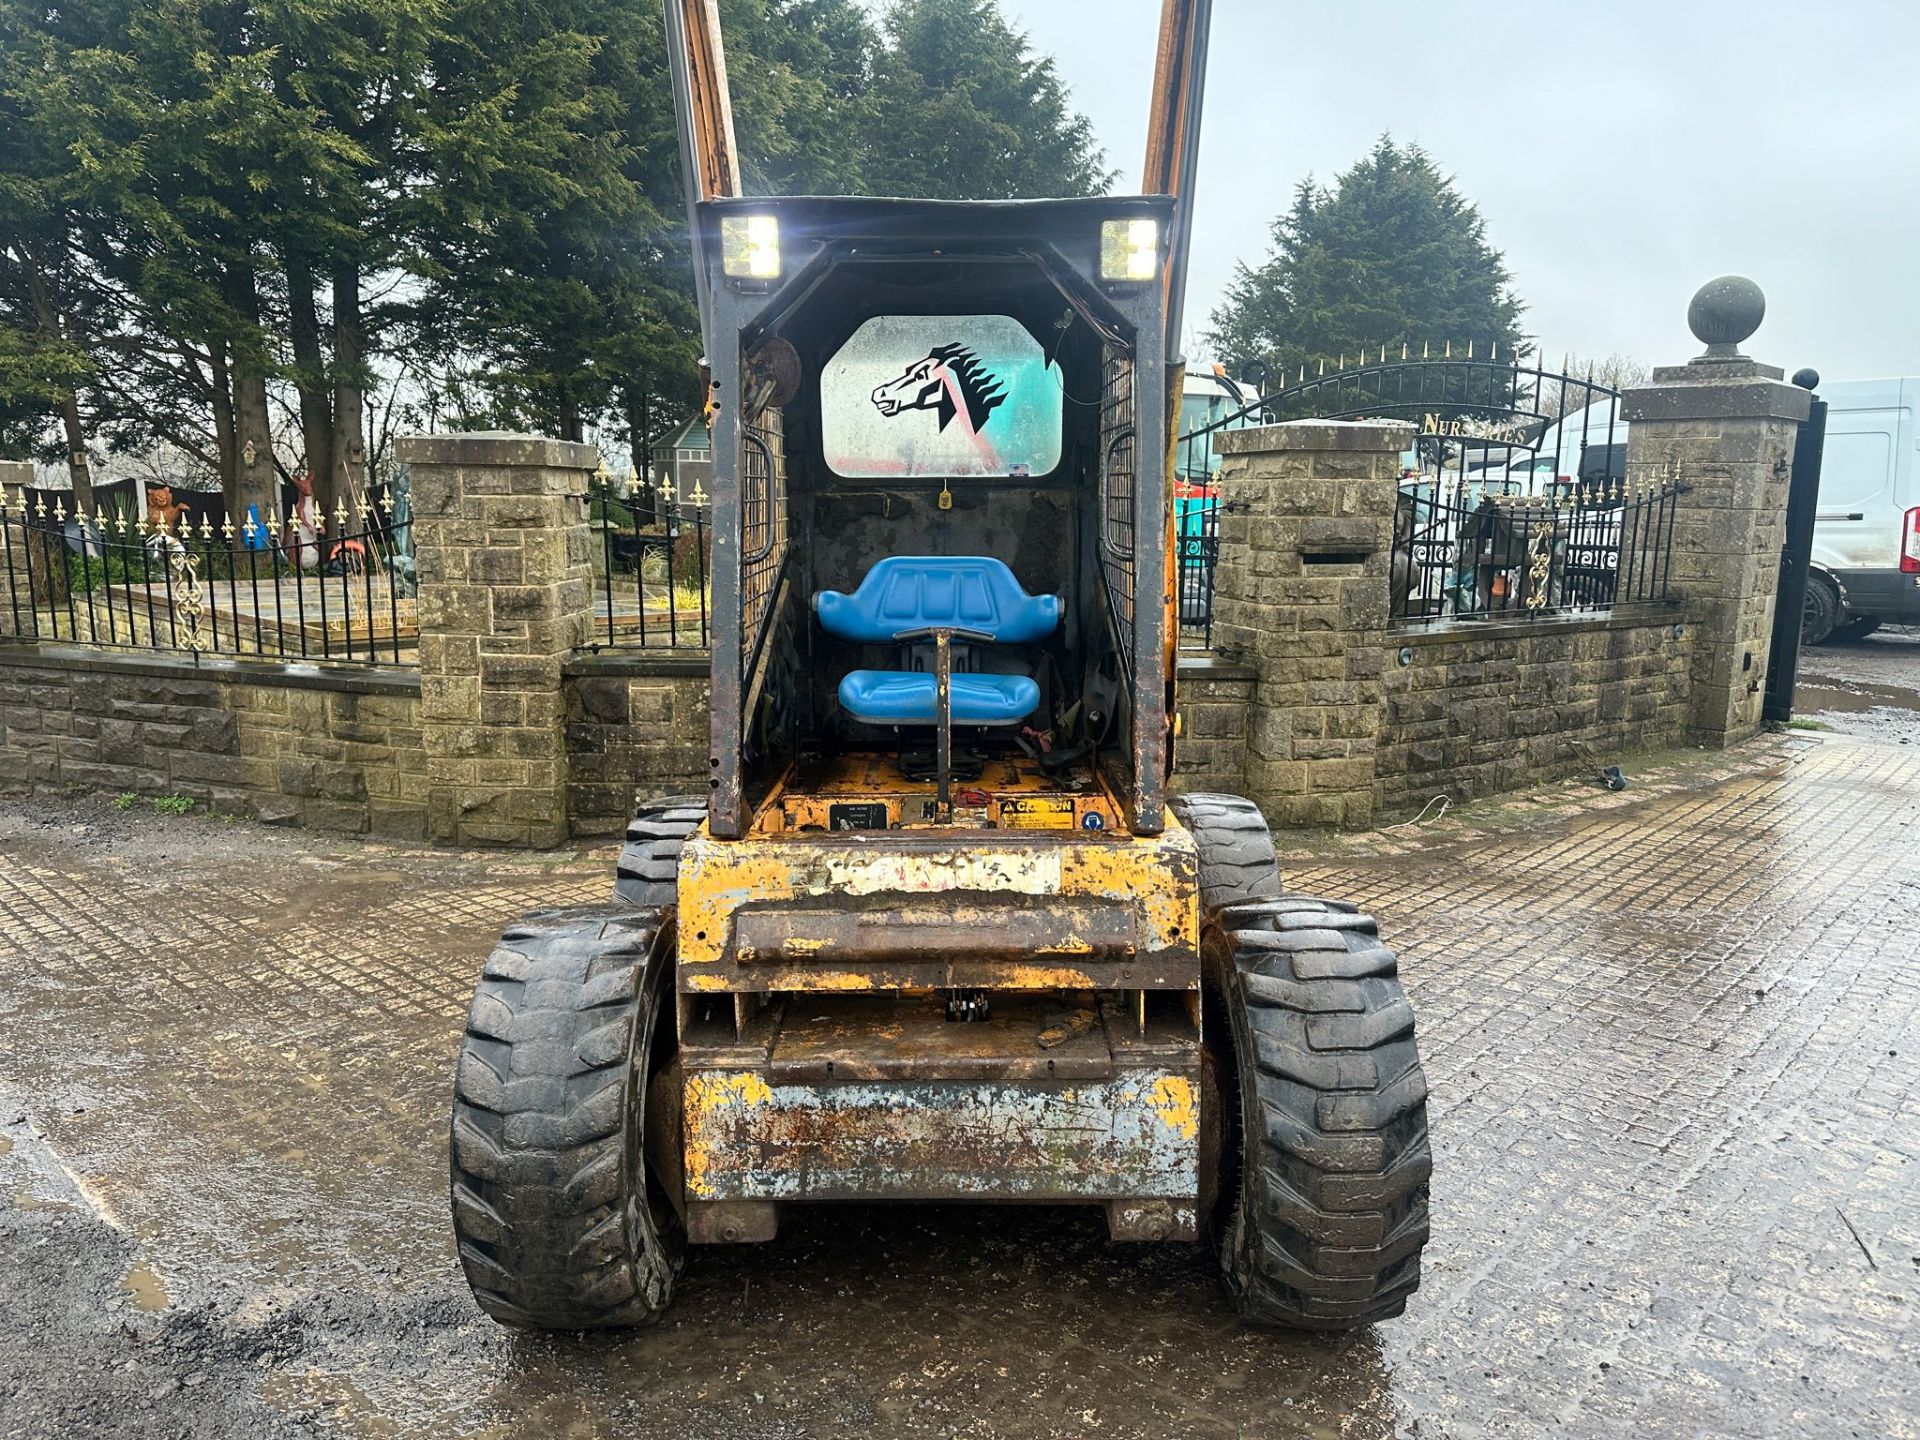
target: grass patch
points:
(173, 805)
(1796, 723)
(126, 800)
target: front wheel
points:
(1325, 1164)
(557, 1223)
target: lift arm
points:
(709, 163)
(1173, 139)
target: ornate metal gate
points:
(1515, 497)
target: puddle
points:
(1853, 699)
(25, 1199)
(144, 1284)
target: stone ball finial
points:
(1723, 313)
(1807, 379)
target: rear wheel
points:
(1854, 630)
(1326, 1200)
(649, 867)
(1323, 1157)
(556, 1220)
(1821, 612)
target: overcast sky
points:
(1621, 152)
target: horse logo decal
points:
(950, 379)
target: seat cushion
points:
(904, 697)
(922, 592)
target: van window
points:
(1855, 468)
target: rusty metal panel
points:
(830, 1039)
(1134, 1136)
(991, 928)
(786, 911)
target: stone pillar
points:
(14, 596)
(1301, 594)
(1724, 427)
(502, 547)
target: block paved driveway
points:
(1673, 1050)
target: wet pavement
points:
(1870, 687)
(1673, 1051)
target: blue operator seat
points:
(905, 594)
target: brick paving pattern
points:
(1673, 1054)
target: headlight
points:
(750, 246)
(1129, 249)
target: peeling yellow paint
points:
(1157, 873)
(705, 1095)
(1174, 1102)
(1066, 945)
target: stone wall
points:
(1727, 428)
(334, 750)
(504, 559)
(636, 726)
(1472, 712)
(1300, 596)
(1210, 753)
(1349, 716)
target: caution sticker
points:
(1037, 812)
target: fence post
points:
(1300, 592)
(1724, 426)
(16, 604)
(504, 563)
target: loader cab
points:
(940, 552)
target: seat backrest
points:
(921, 592)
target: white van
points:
(1583, 445)
(1866, 533)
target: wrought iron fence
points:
(1197, 512)
(1488, 424)
(1462, 553)
(652, 575)
(307, 587)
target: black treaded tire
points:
(1853, 631)
(1821, 612)
(556, 1224)
(1324, 1188)
(649, 866)
(1236, 850)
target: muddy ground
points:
(1869, 688)
(1676, 1115)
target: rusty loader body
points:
(936, 929)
